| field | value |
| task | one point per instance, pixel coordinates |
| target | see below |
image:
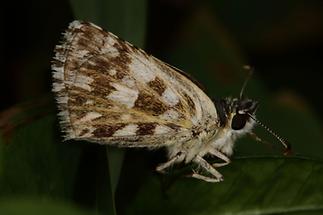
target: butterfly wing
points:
(110, 92)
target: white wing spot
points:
(170, 115)
(124, 95)
(112, 72)
(89, 102)
(75, 24)
(194, 120)
(127, 131)
(58, 87)
(83, 82)
(89, 117)
(169, 97)
(80, 130)
(162, 129)
(59, 73)
(62, 99)
(128, 81)
(125, 117)
(81, 53)
(108, 49)
(143, 70)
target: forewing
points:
(111, 92)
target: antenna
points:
(281, 140)
(250, 70)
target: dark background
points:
(211, 40)
(282, 40)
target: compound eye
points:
(239, 121)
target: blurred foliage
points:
(252, 186)
(210, 40)
(39, 206)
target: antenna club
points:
(288, 151)
(246, 67)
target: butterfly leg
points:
(209, 168)
(177, 158)
(204, 178)
(220, 155)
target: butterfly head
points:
(238, 114)
(240, 111)
(235, 113)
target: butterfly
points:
(110, 92)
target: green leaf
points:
(115, 158)
(259, 185)
(209, 54)
(125, 18)
(38, 206)
(34, 162)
